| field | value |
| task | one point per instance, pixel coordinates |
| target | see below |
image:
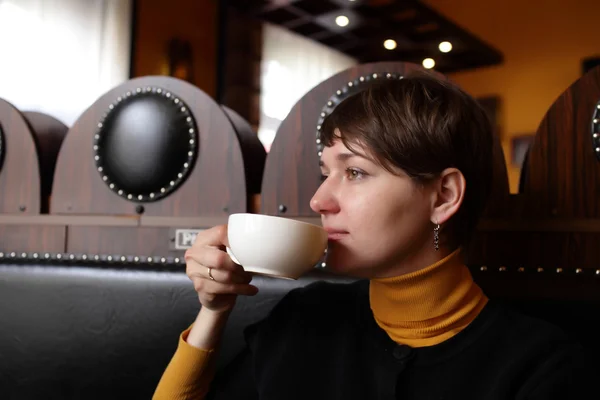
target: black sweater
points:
(322, 342)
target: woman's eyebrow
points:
(342, 157)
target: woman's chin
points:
(336, 262)
(341, 262)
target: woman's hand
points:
(216, 278)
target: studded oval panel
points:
(146, 145)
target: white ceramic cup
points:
(275, 246)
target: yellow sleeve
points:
(188, 375)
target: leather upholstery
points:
(92, 333)
(144, 143)
(76, 332)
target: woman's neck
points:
(429, 305)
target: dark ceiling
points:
(416, 28)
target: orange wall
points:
(194, 20)
(543, 43)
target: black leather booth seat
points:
(77, 332)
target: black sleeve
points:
(266, 340)
(235, 381)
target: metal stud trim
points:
(341, 94)
(596, 130)
(11, 257)
(8, 257)
(186, 166)
(538, 270)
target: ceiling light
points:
(445, 47)
(389, 44)
(342, 20)
(428, 63)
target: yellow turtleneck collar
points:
(429, 306)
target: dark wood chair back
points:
(49, 133)
(563, 167)
(19, 164)
(253, 151)
(156, 146)
(543, 257)
(553, 224)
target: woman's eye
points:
(323, 178)
(354, 174)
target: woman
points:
(407, 171)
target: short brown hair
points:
(422, 125)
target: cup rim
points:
(278, 217)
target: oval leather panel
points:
(146, 145)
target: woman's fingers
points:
(216, 278)
(212, 257)
(215, 236)
(217, 272)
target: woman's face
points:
(379, 223)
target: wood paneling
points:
(139, 241)
(49, 134)
(563, 173)
(253, 152)
(19, 171)
(153, 236)
(553, 227)
(32, 238)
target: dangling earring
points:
(436, 237)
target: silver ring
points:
(210, 274)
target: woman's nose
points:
(324, 200)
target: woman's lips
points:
(334, 234)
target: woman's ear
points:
(449, 194)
